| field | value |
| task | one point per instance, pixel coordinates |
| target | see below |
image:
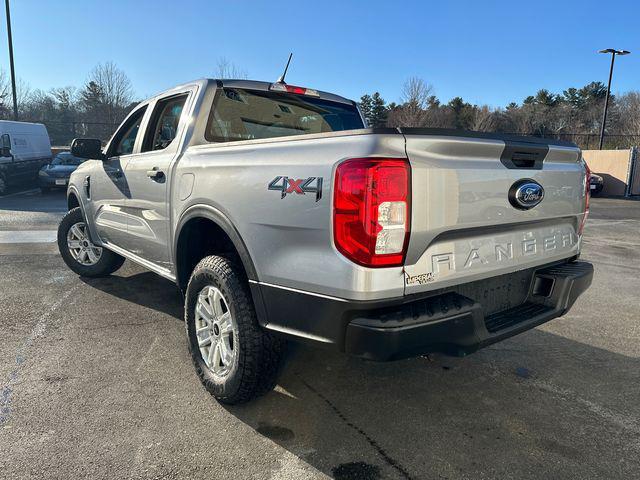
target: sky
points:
(486, 52)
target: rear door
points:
(466, 223)
(22, 157)
(107, 185)
(149, 177)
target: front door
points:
(149, 177)
(107, 185)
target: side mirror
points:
(87, 148)
(5, 145)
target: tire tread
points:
(261, 352)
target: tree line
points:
(94, 110)
(575, 114)
(107, 96)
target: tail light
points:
(587, 196)
(371, 210)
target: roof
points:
(241, 83)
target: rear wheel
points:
(80, 255)
(3, 185)
(234, 357)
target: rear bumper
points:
(446, 322)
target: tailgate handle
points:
(524, 159)
(524, 155)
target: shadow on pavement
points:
(35, 201)
(146, 289)
(536, 406)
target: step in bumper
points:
(454, 324)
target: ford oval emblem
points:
(526, 194)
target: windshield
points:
(66, 159)
(239, 114)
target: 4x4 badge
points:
(286, 185)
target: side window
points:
(163, 127)
(125, 138)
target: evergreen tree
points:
(379, 111)
(463, 113)
(374, 109)
(366, 106)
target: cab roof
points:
(246, 84)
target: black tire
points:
(3, 185)
(260, 353)
(108, 263)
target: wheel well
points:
(72, 201)
(198, 238)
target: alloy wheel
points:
(80, 247)
(216, 331)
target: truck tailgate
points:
(463, 225)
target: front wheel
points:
(234, 357)
(80, 255)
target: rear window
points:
(239, 114)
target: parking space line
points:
(24, 192)
(28, 236)
(6, 392)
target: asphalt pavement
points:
(95, 382)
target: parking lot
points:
(95, 381)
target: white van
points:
(24, 149)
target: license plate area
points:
(497, 294)
(61, 181)
(451, 260)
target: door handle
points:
(155, 174)
(87, 186)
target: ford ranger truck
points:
(280, 216)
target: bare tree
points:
(484, 119)
(629, 113)
(23, 94)
(416, 92)
(115, 87)
(5, 95)
(415, 100)
(227, 69)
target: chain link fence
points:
(591, 141)
(61, 133)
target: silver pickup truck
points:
(280, 216)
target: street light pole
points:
(13, 73)
(613, 53)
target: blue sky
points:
(486, 52)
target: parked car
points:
(596, 184)
(56, 174)
(24, 149)
(280, 216)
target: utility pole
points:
(13, 73)
(613, 53)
